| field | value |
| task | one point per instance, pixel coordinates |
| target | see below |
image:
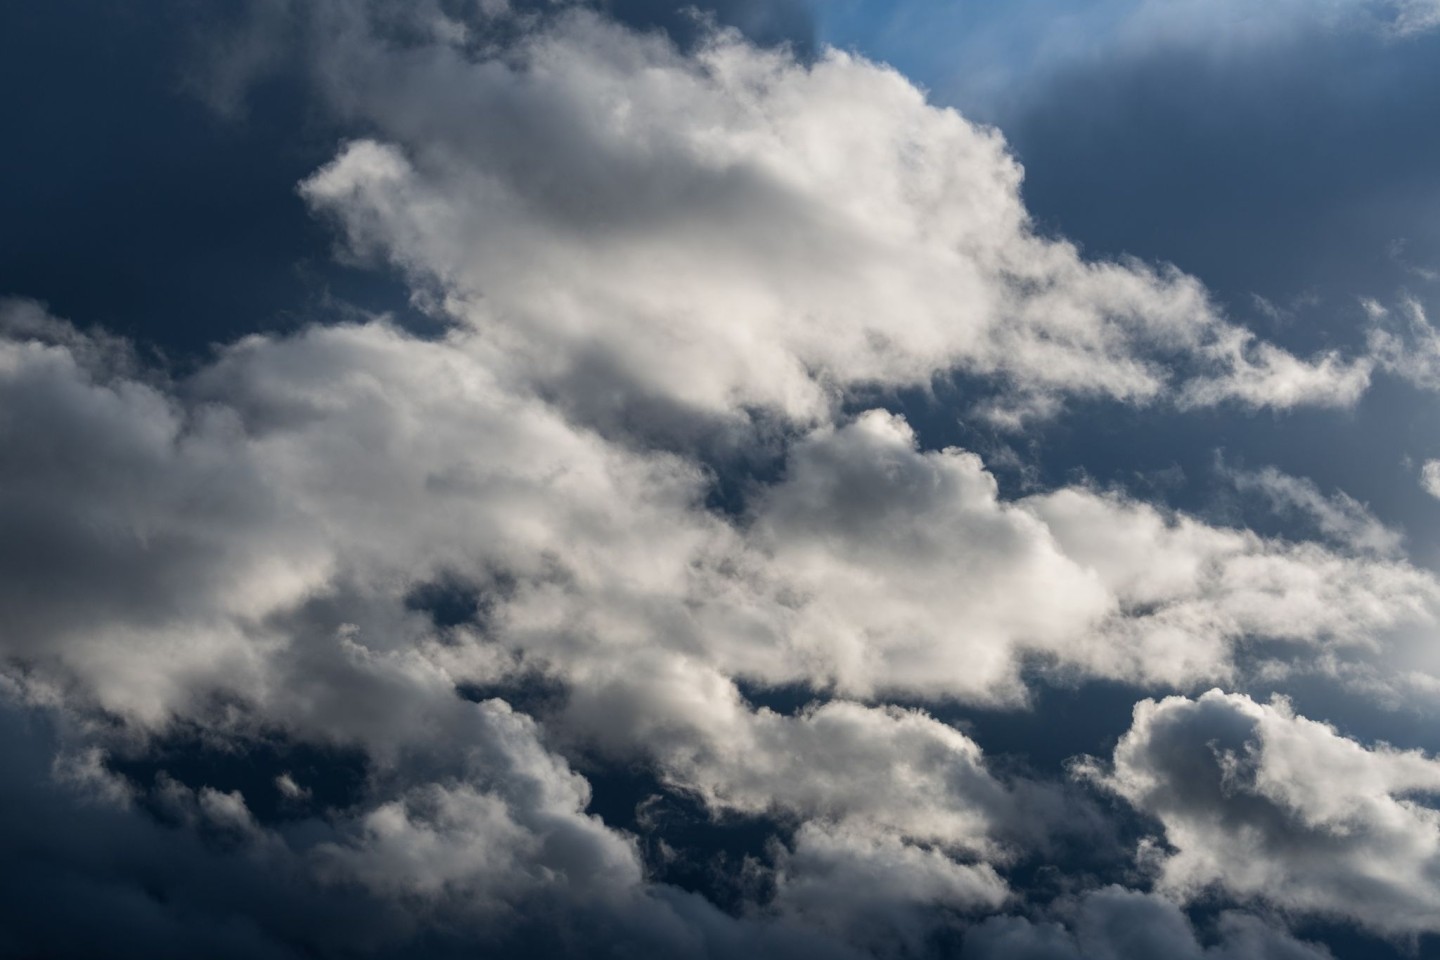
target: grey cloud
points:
(210, 881)
(879, 892)
(282, 504)
(1276, 808)
(1119, 924)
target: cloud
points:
(1270, 806)
(1415, 16)
(889, 551)
(740, 760)
(195, 884)
(279, 507)
(737, 230)
(515, 821)
(1117, 924)
(1430, 477)
(647, 259)
(905, 572)
(1410, 349)
(1188, 591)
(284, 503)
(1339, 517)
(877, 891)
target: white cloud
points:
(736, 230)
(1430, 477)
(877, 891)
(1270, 806)
(1187, 592)
(1407, 347)
(257, 529)
(515, 823)
(1339, 517)
(904, 571)
(692, 721)
(908, 573)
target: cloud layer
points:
(489, 566)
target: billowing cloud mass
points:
(634, 521)
(733, 230)
(1260, 801)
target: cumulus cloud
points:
(735, 229)
(283, 504)
(512, 822)
(279, 507)
(907, 572)
(1270, 806)
(648, 259)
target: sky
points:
(820, 478)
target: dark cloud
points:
(1118, 924)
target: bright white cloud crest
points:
(736, 230)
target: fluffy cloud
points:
(908, 573)
(292, 469)
(735, 230)
(1189, 593)
(277, 510)
(284, 504)
(515, 821)
(1271, 806)
(648, 261)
